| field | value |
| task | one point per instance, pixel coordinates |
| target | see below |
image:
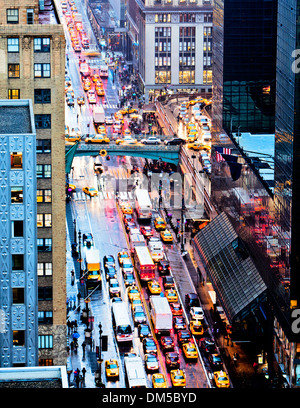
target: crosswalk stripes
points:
(118, 172)
(80, 196)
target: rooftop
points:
(48, 13)
(15, 117)
(34, 377)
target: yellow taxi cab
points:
(166, 236)
(189, 350)
(196, 327)
(185, 104)
(154, 287)
(127, 132)
(136, 302)
(126, 111)
(96, 77)
(99, 138)
(80, 100)
(100, 91)
(178, 378)
(118, 115)
(133, 293)
(86, 85)
(123, 255)
(72, 138)
(101, 129)
(112, 368)
(191, 125)
(91, 191)
(126, 209)
(221, 379)
(171, 295)
(197, 145)
(160, 224)
(196, 100)
(70, 187)
(159, 381)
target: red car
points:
(176, 309)
(167, 343)
(146, 231)
(184, 336)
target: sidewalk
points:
(76, 358)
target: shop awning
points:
(237, 282)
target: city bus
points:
(143, 205)
(103, 71)
(121, 322)
(135, 371)
(144, 263)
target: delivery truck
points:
(98, 115)
(161, 315)
(93, 267)
(136, 239)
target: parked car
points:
(192, 299)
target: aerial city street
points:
(159, 137)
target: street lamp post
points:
(79, 259)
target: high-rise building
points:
(32, 47)
(18, 291)
(244, 41)
(170, 43)
(263, 214)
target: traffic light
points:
(104, 343)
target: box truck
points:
(161, 315)
(93, 267)
(98, 115)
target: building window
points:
(18, 338)
(13, 70)
(12, 44)
(18, 262)
(41, 44)
(14, 94)
(18, 295)
(44, 244)
(44, 220)
(45, 317)
(162, 77)
(42, 70)
(45, 342)
(16, 195)
(43, 146)
(16, 160)
(45, 362)
(42, 96)
(12, 16)
(44, 293)
(187, 77)
(44, 196)
(42, 121)
(44, 268)
(30, 16)
(17, 229)
(43, 170)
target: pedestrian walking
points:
(83, 373)
(69, 326)
(72, 345)
(72, 277)
(78, 298)
(77, 381)
(83, 348)
(255, 367)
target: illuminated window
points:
(16, 160)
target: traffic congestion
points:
(133, 271)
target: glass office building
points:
(263, 214)
(244, 41)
